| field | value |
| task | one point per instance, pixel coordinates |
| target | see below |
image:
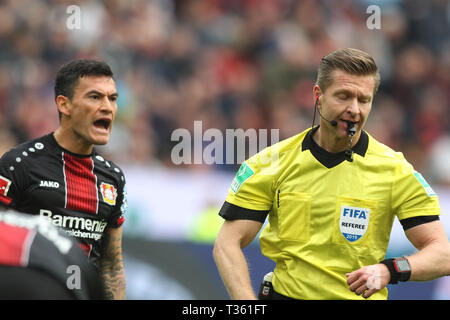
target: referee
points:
(331, 194)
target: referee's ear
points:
(317, 92)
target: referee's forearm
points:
(233, 269)
(431, 262)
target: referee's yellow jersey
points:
(327, 216)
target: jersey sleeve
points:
(117, 218)
(12, 178)
(412, 196)
(251, 193)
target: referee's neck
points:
(328, 140)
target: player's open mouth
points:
(102, 124)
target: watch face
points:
(402, 265)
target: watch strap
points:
(395, 275)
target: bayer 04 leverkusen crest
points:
(109, 193)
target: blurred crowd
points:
(231, 64)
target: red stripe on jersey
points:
(14, 247)
(120, 221)
(81, 184)
(87, 248)
(5, 200)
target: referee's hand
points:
(368, 280)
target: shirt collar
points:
(329, 159)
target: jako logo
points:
(49, 184)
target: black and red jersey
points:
(39, 261)
(83, 194)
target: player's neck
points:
(72, 142)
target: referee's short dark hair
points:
(68, 76)
(353, 61)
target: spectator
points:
(186, 60)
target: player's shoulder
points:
(108, 167)
(17, 220)
(27, 150)
(47, 248)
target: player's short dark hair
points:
(68, 76)
(353, 61)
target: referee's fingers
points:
(358, 286)
(369, 292)
(362, 288)
(357, 281)
(353, 276)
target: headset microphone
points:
(351, 130)
(332, 122)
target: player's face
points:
(348, 98)
(93, 109)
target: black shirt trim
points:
(230, 211)
(415, 221)
(329, 159)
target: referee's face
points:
(347, 99)
(92, 110)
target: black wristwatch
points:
(399, 269)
